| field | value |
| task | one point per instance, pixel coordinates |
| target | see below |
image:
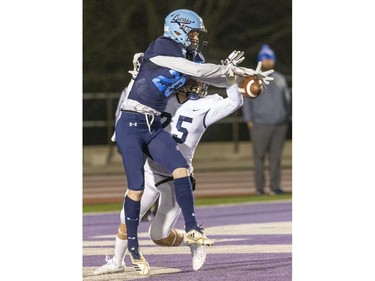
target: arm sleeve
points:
(213, 74)
(224, 107)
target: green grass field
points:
(198, 202)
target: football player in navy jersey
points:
(188, 114)
(139, 130)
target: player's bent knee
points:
(121, 232)
(180, 173)
(175, 238)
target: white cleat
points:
(111, 266)
(198, 254)
(139, 262)
(197, 237)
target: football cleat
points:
(139, 262)
(195, 236)
(198, 254)
(111, 266)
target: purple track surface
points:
(252, 242)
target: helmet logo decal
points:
(179, 19)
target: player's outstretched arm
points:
(226, 106)
(212, 74)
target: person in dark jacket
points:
(267, 118)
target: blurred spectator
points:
(267, 118)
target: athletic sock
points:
(132, 209)
(185, 199)
(120, 249)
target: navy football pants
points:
(134, 140)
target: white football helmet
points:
(178, 25)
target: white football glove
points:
(137, 61)
(263, 76)
(235, 58)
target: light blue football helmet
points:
(179, 23)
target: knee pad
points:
(175, 238)
(121, 232)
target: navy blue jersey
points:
(154, 84)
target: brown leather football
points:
(250, 86)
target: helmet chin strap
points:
(192, 96)
(182, 97)
(189, 95)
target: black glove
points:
(193, 181)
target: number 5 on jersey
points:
(179, 125)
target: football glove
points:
(235, 58)
(137, 60)
(263, 76)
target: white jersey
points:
(188, 121)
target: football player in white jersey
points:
(188, 114)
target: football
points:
(250, 86)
